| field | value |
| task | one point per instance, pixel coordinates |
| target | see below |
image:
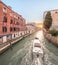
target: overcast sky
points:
(32, 10)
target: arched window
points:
(4, 19)
(4, 29)
(11, 29)
(14, 29)
(11, 21)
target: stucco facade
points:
(54, 15)
(11, 23)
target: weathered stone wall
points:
(51, 38)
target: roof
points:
(9, 8)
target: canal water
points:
(51, 55)
(21, 53)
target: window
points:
(4, 10)
(18, 17)
(17, 29)
(10, 14)
(4, 19)
(14, 29)
(0, 39)
(14, 35)
(17, 23)
(56, 12)
(4, 29)
(11, 29)
(11, 21)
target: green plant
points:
(47, 21)
(53, 32)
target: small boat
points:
(37, 48)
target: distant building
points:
(39, 25)
(31, 27)
(54, 14)
(11, 23)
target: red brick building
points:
(11, 23)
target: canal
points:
(21, 53)
(51, 56)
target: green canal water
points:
(51, 53)
(21, 54)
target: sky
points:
(32, 10)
